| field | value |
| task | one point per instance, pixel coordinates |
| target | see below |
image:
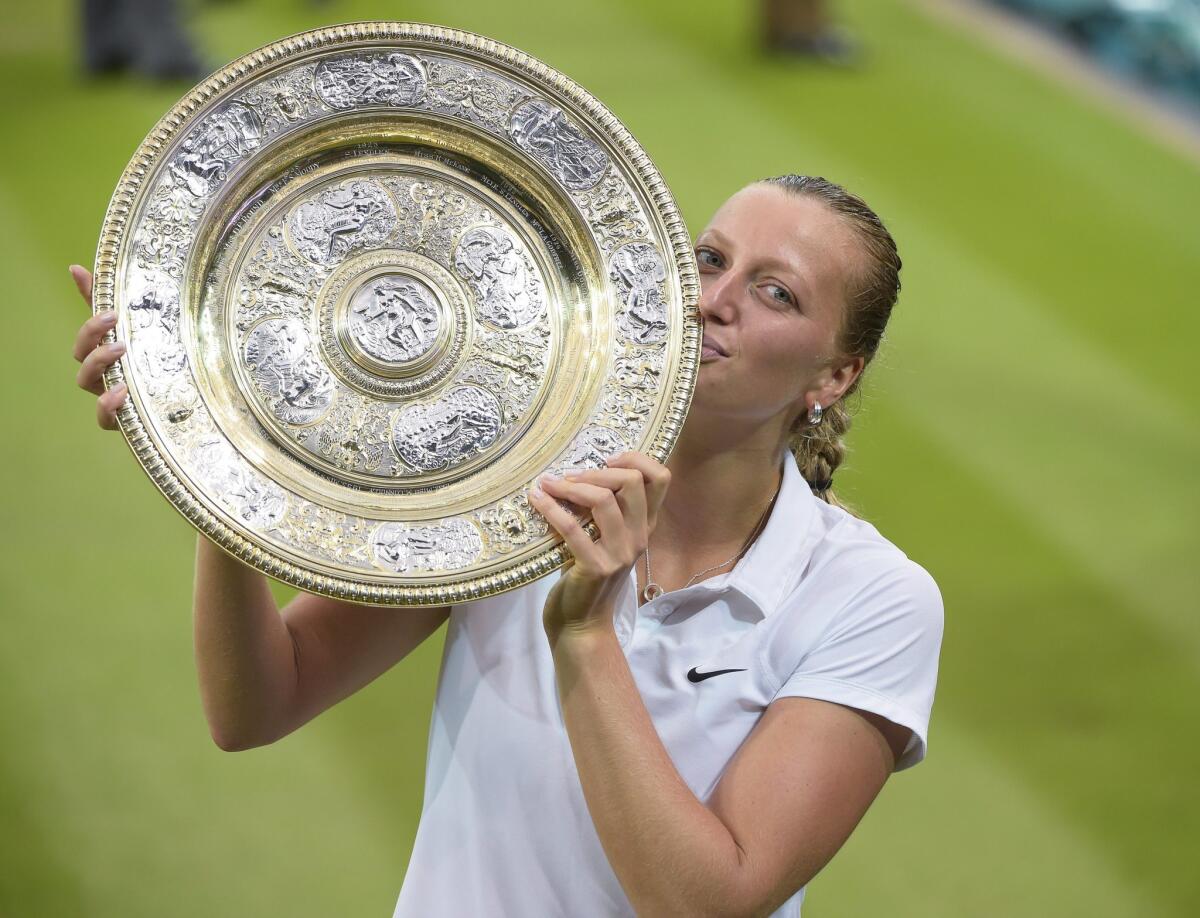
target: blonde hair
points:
(870, 296)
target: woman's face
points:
(774, 268)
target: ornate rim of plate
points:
(374, 280)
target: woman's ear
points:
(841, 377)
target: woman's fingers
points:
(83, 281)
(657, 477)
(617, 536)
(630, 488)
(92, 331)
(94, 365)
(108, 404)
(95, 357)
(613, 479)
(567, 526)
(602, 502)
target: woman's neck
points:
(722, 481)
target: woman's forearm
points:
(245, 657)
(672, 855)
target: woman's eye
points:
(780, 293)
(708, 257)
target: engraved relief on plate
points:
(508, 292)
(274, 282)
(636, 377)
(215, 146)
(612, 212)
(591, 448)
(544, 131)
(370, 79)
(394, 318)
(285, 100)
(166, 234)
(640, 275)
(501, 296)
(366, 348)
(392, 323)
(512, 362)
(154, 320)
(441, 434)
(328, 534)
(296, 386)
(470, 92)
(355, 215)
(510, 524)
(254, 500)
(400, 547)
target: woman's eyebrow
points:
(715, 234)
(790, 270)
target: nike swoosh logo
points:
(694, 676)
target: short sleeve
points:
(880, 654)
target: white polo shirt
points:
(821, 606)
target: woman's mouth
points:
(710, 350)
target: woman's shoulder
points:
(852, 559)
(861, 612)
(845, 539)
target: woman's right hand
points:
(96, 357)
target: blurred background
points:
(1153, 44)
(1029, 434)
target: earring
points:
(814, 414)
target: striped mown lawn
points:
(1030, 434)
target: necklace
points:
(652, 590)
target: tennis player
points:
(692, 717)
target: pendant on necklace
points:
(652, 591)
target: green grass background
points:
(1029, 434)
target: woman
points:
(693, 716)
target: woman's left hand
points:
(624, 500)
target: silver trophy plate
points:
(374, 281)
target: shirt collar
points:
(772, 565)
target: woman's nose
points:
(718, 297)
